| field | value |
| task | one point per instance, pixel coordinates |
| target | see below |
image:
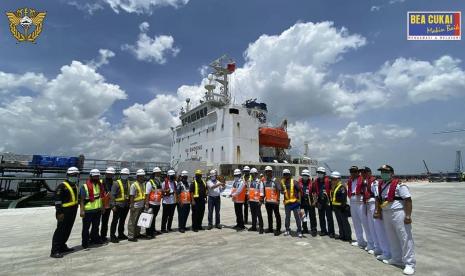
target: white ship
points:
(219, 134)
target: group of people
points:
(380, 209)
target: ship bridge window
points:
(233, 111)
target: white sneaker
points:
(381, 258)
(354, 243)
(409, 270)
(300, 235)
(286, 233)
(391, 262)
(371, 251)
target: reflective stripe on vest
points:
(140, 196)
(73, 201)
(196, 188)
(289, 198)
(333, 198)
(240, 198)
(97, 203)
(122, 196)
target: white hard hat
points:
(110, 170)
(72, 170)
(213, 172)
(156, 169)
(184, 173)
(140, 172)
(268, 168)
(246, 169)
(305, 172)
(124, 171)
(171, 172)
(253, 170)
(237, 172)
(286, 171)
(94, 172)
(335, 175)
(321, 169)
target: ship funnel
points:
(188, 105)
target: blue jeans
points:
(214, 202)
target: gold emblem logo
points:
(26, 24)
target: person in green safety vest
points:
(136, 205)
(338, 197)
(120, 205)
(91, 207)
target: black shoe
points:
(323, 234)
(170, 230)
(56, 255)
(195, 230)
(123, 237)
(277, 233)
(157, 232)
(305, 231)
(260, 231)
(235, 227)
(210, 227)
(332, 236)
(313, 233)
(66, 249)
(149, 237)
(337, 237)
(164, 231)
(253, 229)
(201, 229)
(182, 231)
(218, 226)
(114, 240)
(85, 246)
(132, 239)
(104, 239)
(187, 228)
(269, 230)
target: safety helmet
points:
(246, 169)
(140, 172)
(110, 170)
(156, 169)
(268, 168)
(305, 172)
(197, 172)
(237, 172)
(94, 172)
(213, 172)
(124, 171)
(335, 174)
(184, 173)
(171, 172)
(286, 171)
(72, 170)
(321, 170)
(253, 170)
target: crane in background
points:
(458, 169)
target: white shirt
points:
(214, 191)
(401, 191)
(374, 192)
(355, 198)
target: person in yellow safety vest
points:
(184, 201)
(338, 196)
(107, 184)
(66, 205)
(291, 191)
(247, 179)
(120, 205)
(91, 206)
(153, 196)
(136, 205)
(238, 196)
(198, 190)
(256, 196)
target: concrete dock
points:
(438, 225)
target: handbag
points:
(145, 220)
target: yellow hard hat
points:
(198, 171)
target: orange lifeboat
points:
(273, 137)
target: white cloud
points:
(104, 56)
(11, 82)
(89, 8)
(375, 8)
(143, 6)
(152, 49)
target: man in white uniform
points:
(396, 204)
(358, 210)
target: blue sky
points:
(202, 31)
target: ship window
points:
(193, 130)
(238, 124)
(197, 114)
(233, 111)
(205, 111)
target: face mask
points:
(237, 177)
(184, 178)
(124, 176)
(171, 177)
(110, 177)
(213, 178)
(305, 178)
(73, 179)
(320, 175)
(385, 176)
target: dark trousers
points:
(238, 209)
(104, 227)
(246, 211)
(325, 213)
(90, 219)
(119, 219)
(256, 211)
(270, 208)
(63, 230)
(167, 216)
(151, 230)
(345, 233)
(198, 211)
(214, 202)
(183, 214)
(309, 212)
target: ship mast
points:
(222, 67)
